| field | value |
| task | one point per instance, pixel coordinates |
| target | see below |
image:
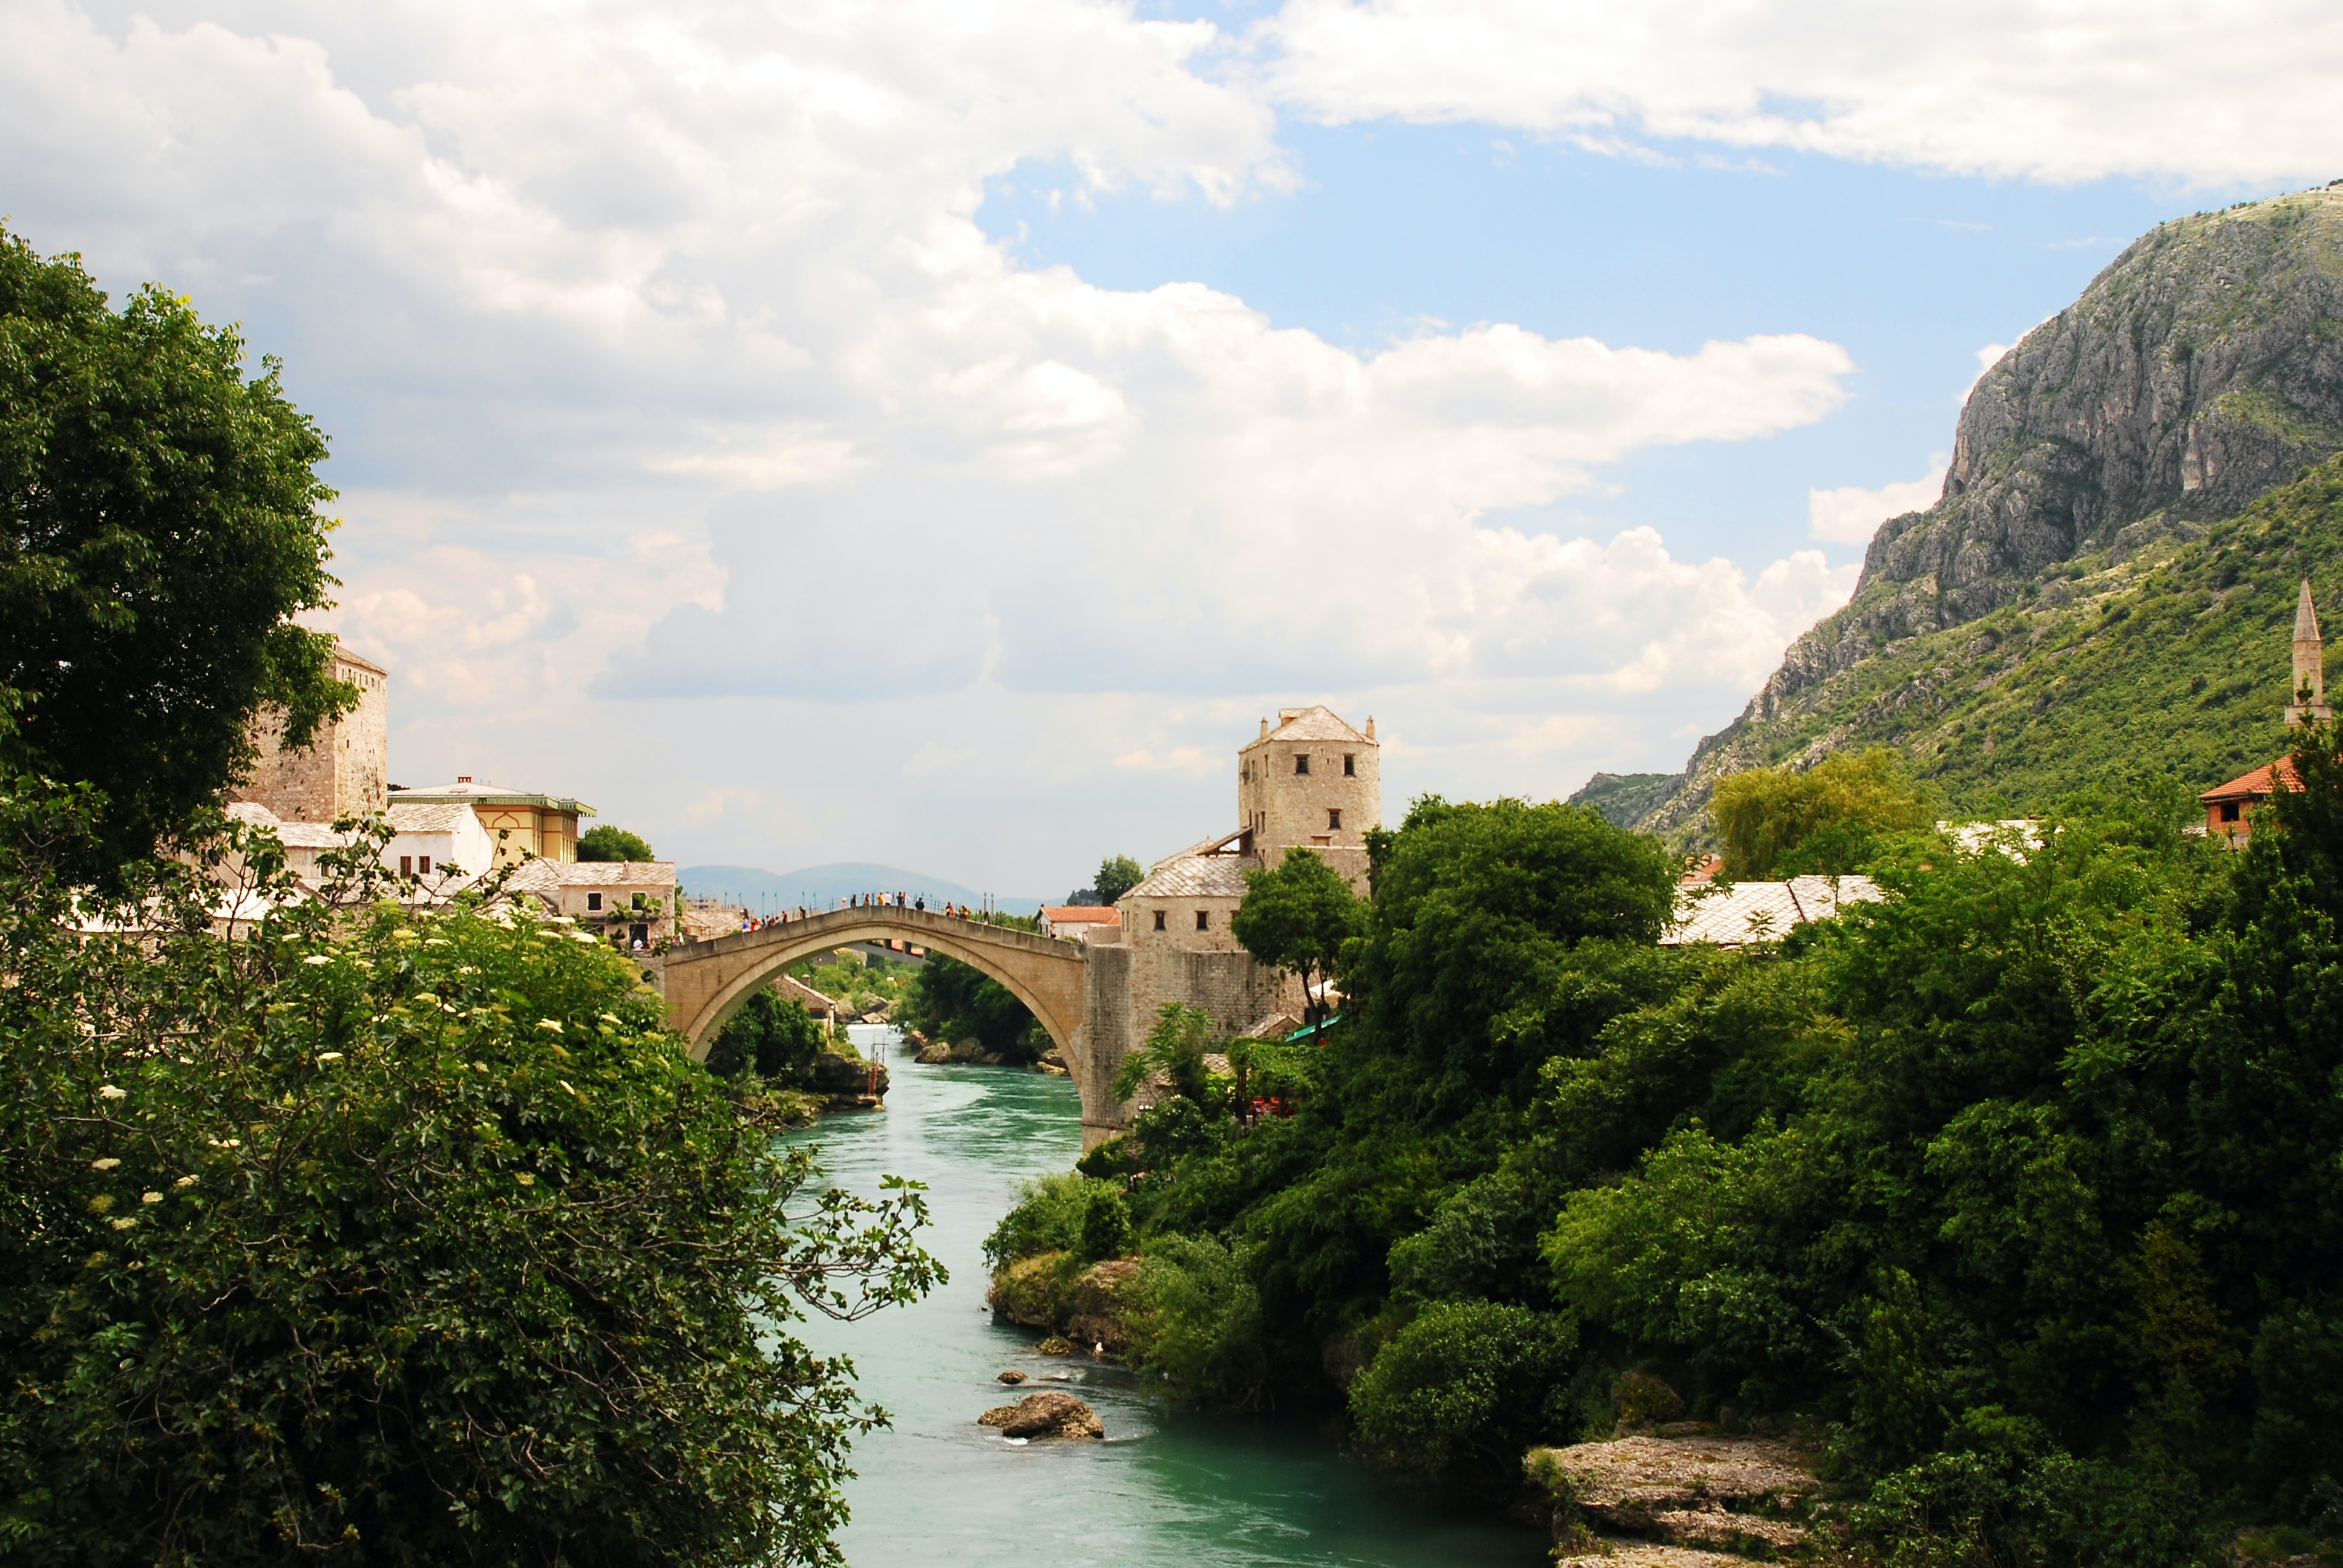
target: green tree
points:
(164, 533)
(1175, 1049)
(608, 843)
(1117, 875)
(773, 1035)
(1464, 1389)
(1296, 917)
(1828, 819)
(951, 1001)
(378, 1236)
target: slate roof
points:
(427, 817)
(1319, 723)
(1763, 911)
(545, 876)
(1194, 876)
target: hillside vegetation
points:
(2104, 590)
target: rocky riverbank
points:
(1067, 1298)
(973, 1052)
(1686, 1496)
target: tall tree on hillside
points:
(163, 533)
(1297, 917)
(1828, 819)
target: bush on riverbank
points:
(378, 1234)
(2016, 1189)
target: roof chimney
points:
(1264, 730)
(463, 777)
(1371, 727)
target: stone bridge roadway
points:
(708, 982)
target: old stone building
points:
(1310, 782)
(345, 771)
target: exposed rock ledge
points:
(1044, 1415)
(1695, 1500)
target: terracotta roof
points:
(1701, 874)
(1081, 914)
(543, 876)
(2256, 785)
(1197, 877)
(1740, 912)
(1319, 723)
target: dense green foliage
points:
(606, 842)
(1062, 1213)
(1296, 916)
(772, 1036)
(162, 534)
(950, 1000)
(384, 1236)
(2019, 1189)
(1173, 1052)
(1826, 820)
(1117, 875)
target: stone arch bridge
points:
(708, 982)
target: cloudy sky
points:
(934, 433)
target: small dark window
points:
(406, 865)
(1333, 820)
(1204, 921)
(593, 901)
(1159, 919)
(424, 865)
(638, 900)
(1302, 764)
(1350, 764)
(2228, 810)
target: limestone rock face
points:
(1044, 1415)
(2202, 369)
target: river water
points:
(1169, 1486)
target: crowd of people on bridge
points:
(900, 901)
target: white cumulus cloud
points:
(1850, 514)
(2056, 90)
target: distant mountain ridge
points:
(2097, 469)
(821, 886)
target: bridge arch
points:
(708, 982)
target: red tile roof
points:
(1082, 914)
(2256, 785)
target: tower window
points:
(593, 901)
(1301, 764)
(1159, 919)
(1350, 764)
(2228, 810)
(1333, 820)
(1204, 921)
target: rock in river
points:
(1013, 1377)
(1044, 1415)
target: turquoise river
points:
(1169, 1486)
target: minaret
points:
(2309, 664)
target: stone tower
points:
(1310, 783)
(2310, 692)
(344, 771)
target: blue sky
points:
(934, 433)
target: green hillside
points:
(2168, 667)
(1624, 797)
(2105, 591)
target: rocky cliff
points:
(2201, 369)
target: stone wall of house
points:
(345, 771)
(1131, 981)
